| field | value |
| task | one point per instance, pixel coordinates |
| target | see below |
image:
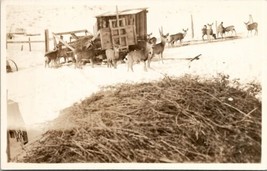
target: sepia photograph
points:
(144, 84)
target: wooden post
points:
(30, 48)
(46, 40)
(64, 43)
(55, 41)
(117, 16)
(192, 26)
(250, 19)
(216, 27)
(8, 147)
(8, 142)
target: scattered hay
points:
(172, 120)
(81, 42)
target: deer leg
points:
(128, 66)
(46, 61)
(145, 66)
(92, 63)
(131, 66)
(161, 55)
(77, 63)
(115, 63)
(148, 63)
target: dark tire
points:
(11, 66)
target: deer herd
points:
(146, 50)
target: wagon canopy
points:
(123, 12)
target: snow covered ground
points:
(42, 92)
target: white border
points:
(8, 166)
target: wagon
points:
(125, 28)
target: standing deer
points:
(251, 27)
(178, 36)
(208, 31)
(84, 54)
(220, 30)
(223, 30)
(143, 55)
(151, 40)
(230, 29)
(66, 53)
(51, 56)
(159, 47)
(113, 56)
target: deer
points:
(222, 30)
(51, 56)
(143, 55)
(158, 48)
(151, 40)
(66, 53)
(251, 27)
(179, 36)
(84, 54)
(208, 31)
(112, 56)
(230, 29)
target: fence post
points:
(30, 48)
(192, 26)
(46, 40)
(216, 27)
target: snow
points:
(43, 92)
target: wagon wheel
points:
(11, 66)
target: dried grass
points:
(177, 120)
(81, 42)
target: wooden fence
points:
(29, 41)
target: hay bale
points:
(178, 120)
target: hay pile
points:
(79, 43)
(172, 120)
